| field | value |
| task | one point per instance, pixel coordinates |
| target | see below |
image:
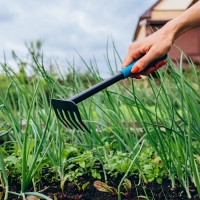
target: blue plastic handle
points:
(127, 70)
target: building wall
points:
(141, 33)
(165, 14)
(173, 5)
(189, 42)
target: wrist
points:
(186, 21)
(169, 31)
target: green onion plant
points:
(126, 118)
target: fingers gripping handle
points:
(127, 71)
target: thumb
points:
(143, 62)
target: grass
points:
(126, 120)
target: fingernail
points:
(135, 69)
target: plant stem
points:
(125, 175)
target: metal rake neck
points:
(96, 88)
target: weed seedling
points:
(82, 188)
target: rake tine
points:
(68, 118)
(61, 118)
(74, 120)
(67, 112)
(64, 118)
(80, 120)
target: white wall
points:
(173, 5)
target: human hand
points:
(149, 49)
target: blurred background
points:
(67, 26)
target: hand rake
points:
(67, 111)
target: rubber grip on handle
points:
(127, 70)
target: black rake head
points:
(67, 112)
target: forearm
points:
(186, 21)
(160, 42)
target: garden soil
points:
(138, 192)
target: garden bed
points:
(142, 191)
(148, 129)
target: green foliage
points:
(83, 164)
(151, 166)
(162, 114)
(119, 163)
